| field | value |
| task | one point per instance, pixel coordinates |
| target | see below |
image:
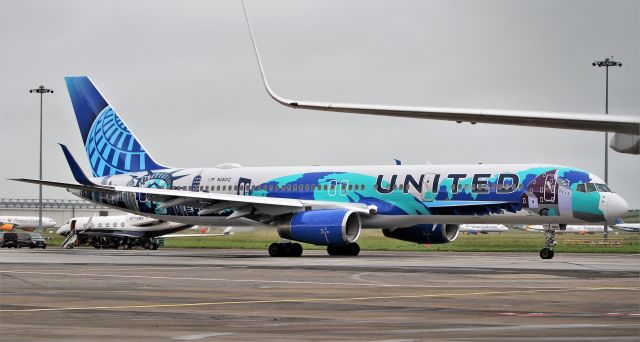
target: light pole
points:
(40, 90)
(606, 63)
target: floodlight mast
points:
(40, 90)
(606, 63)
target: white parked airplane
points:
(627, 227)
(482, 228)
(327, 205)
(124, 231)
(569, 229)
(626, 128)
(26, 223)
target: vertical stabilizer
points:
(111, 147)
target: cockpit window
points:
(593, 187)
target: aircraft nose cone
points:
(616, 207)
(62, 230)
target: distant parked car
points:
(9, 240)
(31, 240)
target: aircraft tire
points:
(274, 249)
(546, 253)
(154, 246)
(352, 249)
(296, 250)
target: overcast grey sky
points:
(183, 76)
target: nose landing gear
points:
(549, 242)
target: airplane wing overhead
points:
(626, 128)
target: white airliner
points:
(326, 205)
(482, 228)
(626, 128)
(569, 229)
(124, 231)
(26, 223)
(627, 227)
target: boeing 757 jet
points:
(327, 205)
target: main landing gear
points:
(351, 249)
(285, 249)
(549, 242)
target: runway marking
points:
(312, 300)
(300, 282)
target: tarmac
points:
(228, 295)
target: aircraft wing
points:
(626, 128)
(210, 202)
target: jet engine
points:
(424, 233)
(326, 227)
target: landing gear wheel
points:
(285, 250)
(546, 253)
(296, 250)
(147, 245)
(274, 249)
(351, 249)
(549, 242)
(154, 246)
(126, 246)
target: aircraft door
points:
(550, 189)
(428, 194)
(344, 185)
(332, 187)
(244, 186)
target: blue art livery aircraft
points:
(327, 205)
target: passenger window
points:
(122, 224)
(106, 225)
(357, 187)
(288, 187)
(591, 187)
(313, 187)
(362, 187)
(99, 225)
(350, 187)
(235, 188)
(307, 187)
(218, 188)
(581, 188)
(333, 186)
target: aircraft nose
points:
(62, 230)
(616, 207)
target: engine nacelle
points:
(326, 227)
(424, 233)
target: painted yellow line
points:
(312, 300)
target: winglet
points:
(282, 100)
(75, 168)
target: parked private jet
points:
(122, 231)
(26, 223)
(327, 205)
